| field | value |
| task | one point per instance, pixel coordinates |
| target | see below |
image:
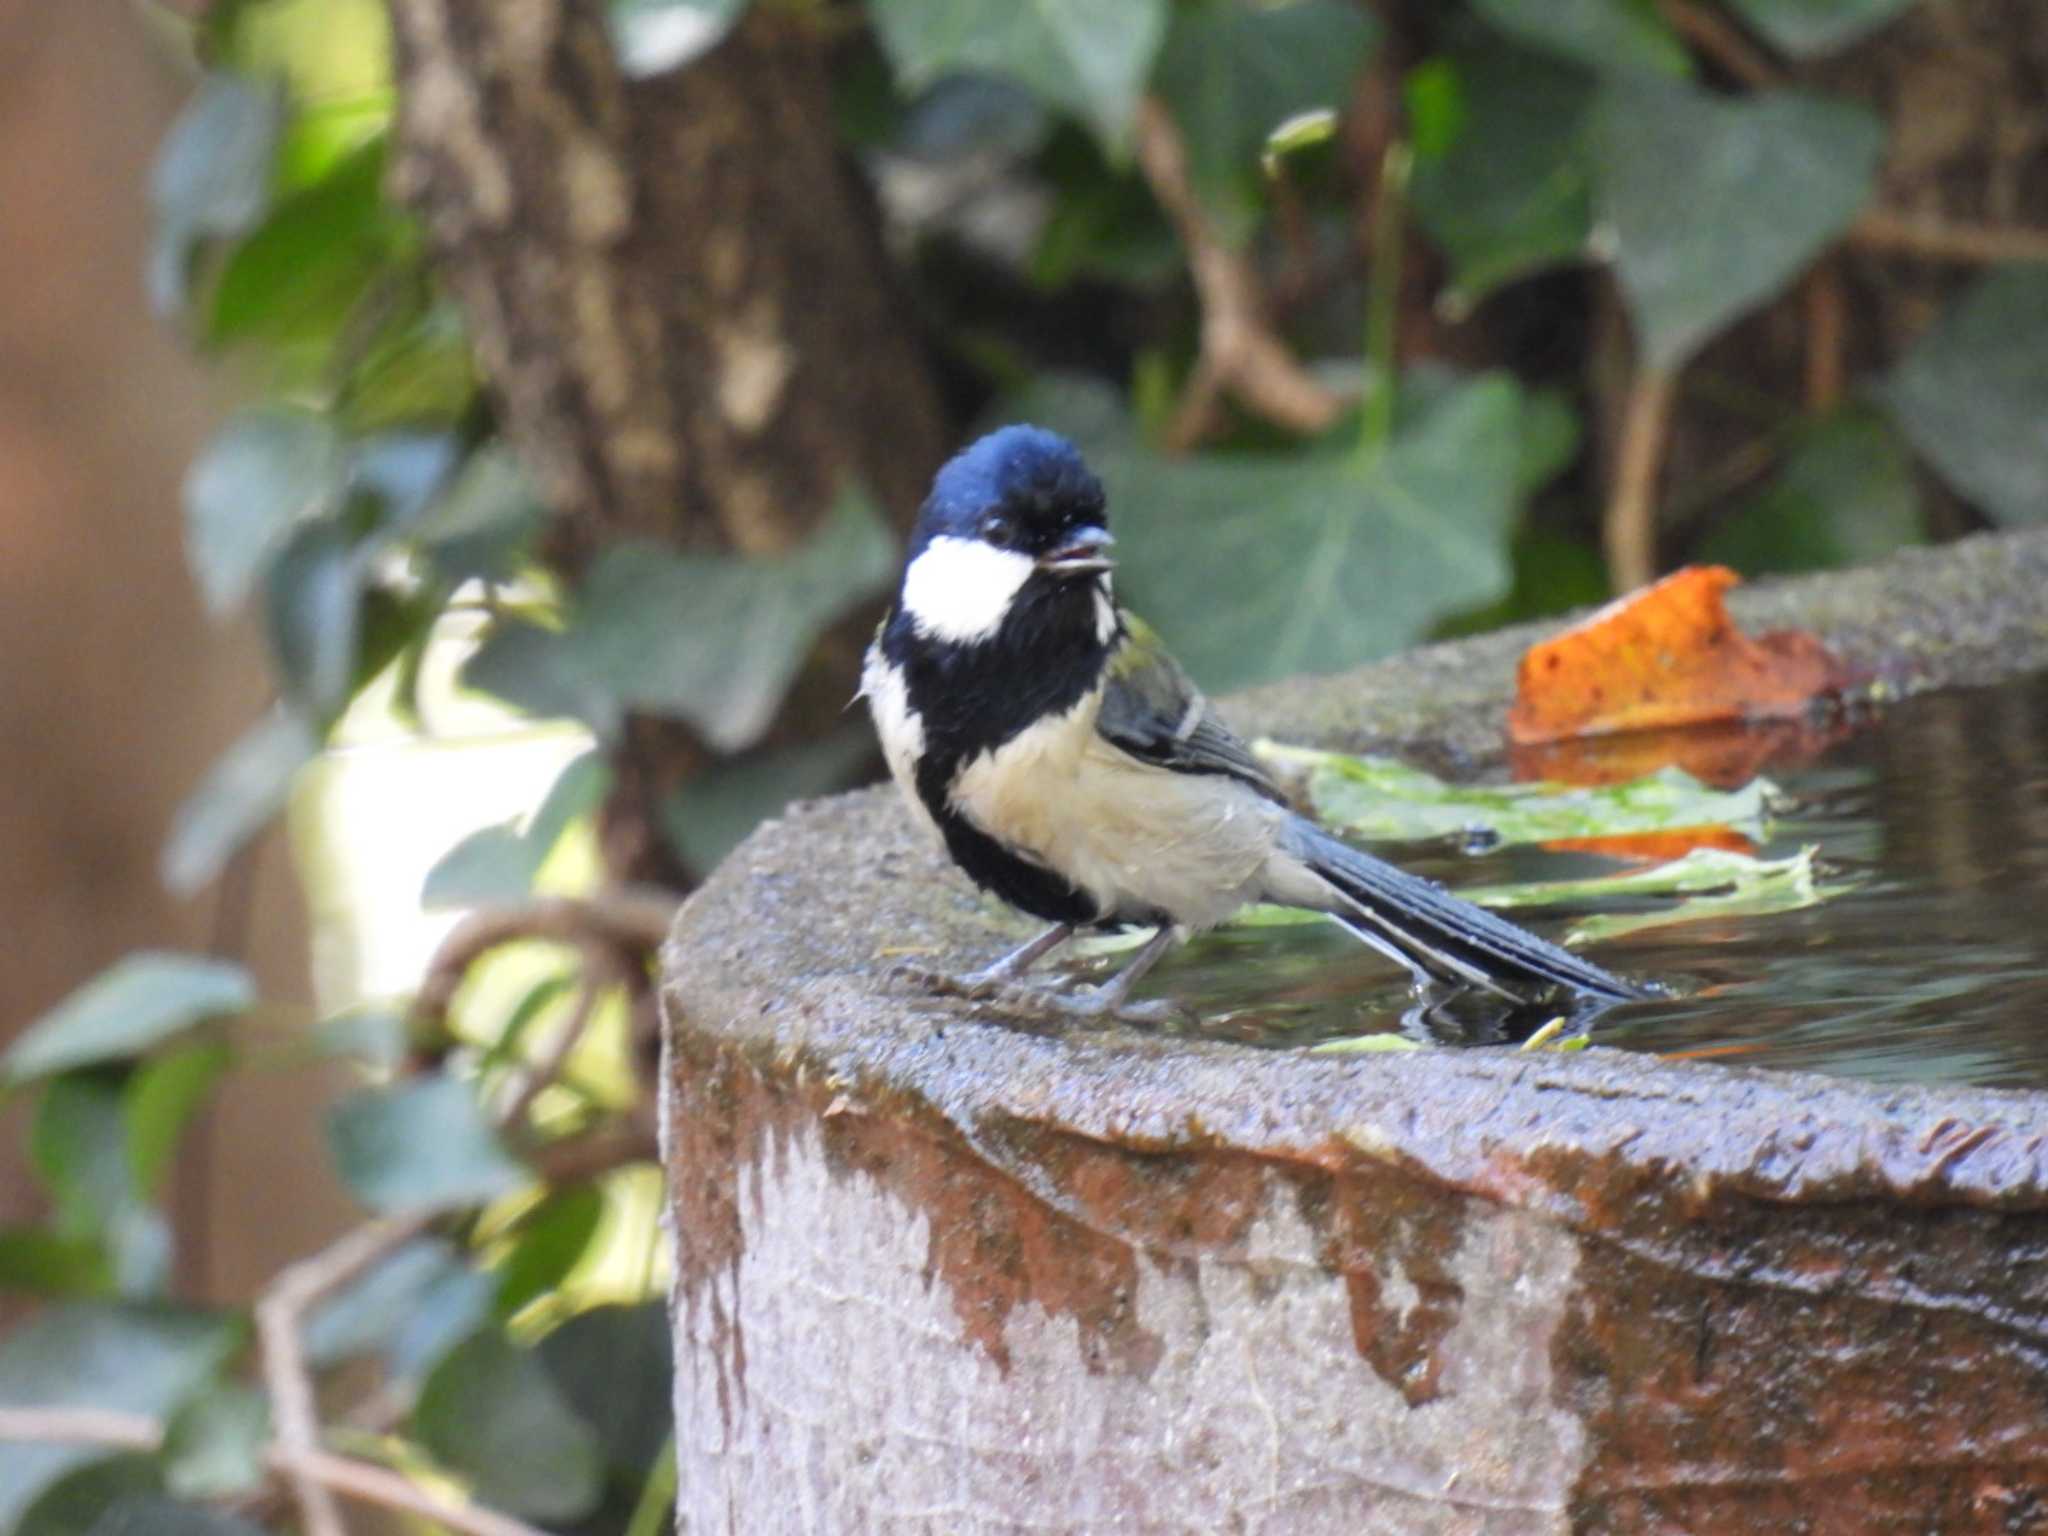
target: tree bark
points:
(679, 299)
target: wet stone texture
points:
(948, 1273)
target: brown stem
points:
(1935, 239)
(1826, 312)
(1719, 40)
(625, 923)
(1240, 354)
(279, 1313)
(1629, 535)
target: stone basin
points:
(945, 1271)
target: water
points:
(1935, 968)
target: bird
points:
(1071, 767)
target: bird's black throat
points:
(972, 697)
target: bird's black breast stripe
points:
(973, 698)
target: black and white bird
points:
(1073, 770)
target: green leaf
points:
(1231, 72)
(652, 37)
(717, 640)
(40, 1262)
(1383, 800)
(364, 1316)
(99, 1355)
(1972, 395)
(212, 175)
(500, 863)
(1713, 206)
(449, 1311)
(490, 1412)
(78, 1144)
(1745, 888)
(1088, 57)
(1698, 871)
(137, 1003)
(547, 1246)
(1844, 496)
(236, 800)
(612, 1366)
(375, 1037)
(302, 270)
(1512, 193)
(82, 1499)
(263, 475)
(538, 670)
(214, 1443)
(161, 1097)
(1258, 567)
(421, 1143)
(1613, 36)
(147, 1516)
(709, 816)
(1806, 28)
(313, 593)
(488, 515)
(405, 469)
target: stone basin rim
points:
(836, 880)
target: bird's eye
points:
(996, 528)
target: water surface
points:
(1935, 968)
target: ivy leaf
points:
(549, 1242)
(405, 470)
(1613, 36)
(158, 1103)
(100, 1355)
(78, 1147)
(1713, 206)
(212, 175)
(708, 817)
(484, 519)
(214, 1443)
(313, 603)
(146, 1515)
(1972, 395)
(422, 1143)
(1512, 191)
(365, 1315)
(303, 268)
(1088, 57)
(716, 640)
(40, 1262)
(612, 1365)
(536, 669)
(1382, 799)
(137, 1003)
(490, 1412)
(1256, 567)
(500, 863)
(1844, 496)
(1232, 72)
(1805, 28)
(80, 1501)
(263, 475)
(239, 795)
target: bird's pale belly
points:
(1140, 840)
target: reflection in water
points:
(1936, 968)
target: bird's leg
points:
(1110, 1000)
(1002, 972)
(995, 979)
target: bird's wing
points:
(1152, 710)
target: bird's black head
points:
(1015, 526)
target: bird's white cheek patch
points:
(960, 589)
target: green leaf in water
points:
(1755, 887)
(1381, 800)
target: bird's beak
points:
(1086, 552)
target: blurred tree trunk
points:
(116, 692)
(680, 301)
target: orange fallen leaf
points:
(1655, 847)
(1668, 655)
(1724, 754)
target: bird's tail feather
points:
(1442, 934)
